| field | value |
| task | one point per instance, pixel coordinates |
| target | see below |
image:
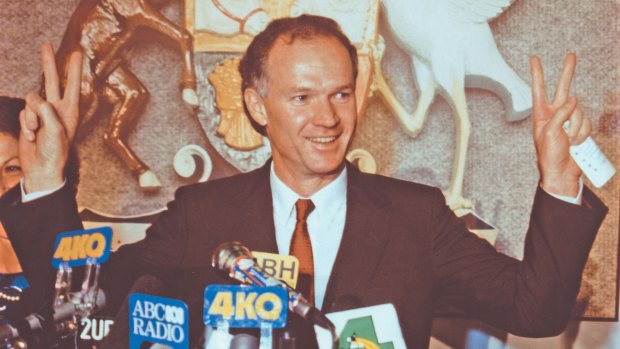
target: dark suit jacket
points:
(401, 245)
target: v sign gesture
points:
(558, 171)
(48, 126)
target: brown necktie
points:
(301, 247)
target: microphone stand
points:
(234, 260)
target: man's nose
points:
(326, 114)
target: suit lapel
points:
(363, 242)
(256, 229)
(365, 235)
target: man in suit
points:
(372, 239)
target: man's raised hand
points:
(559, 172)
(48, 125)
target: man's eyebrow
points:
(297, 89)
(302, 88)
(346, 86)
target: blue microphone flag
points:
(158, 320)
(76, 247)
(245, 306)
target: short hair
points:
(305, 27)
(9, 115)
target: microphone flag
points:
(370, 327)
(76, 247)
(158, 320)
(283, 268)
(245, 306)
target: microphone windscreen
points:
(148, 284)
(6, 332)
(244, 341)
(119, 333)
(346, 302)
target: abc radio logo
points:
(158, 321)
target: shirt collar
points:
(326, 201)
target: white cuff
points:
(39, 194)
(569, 199)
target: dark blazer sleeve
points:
(532, 297)
(161, 253)
(33, 226)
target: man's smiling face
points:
(309, 107)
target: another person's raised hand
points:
(559, 172)
(48, 125)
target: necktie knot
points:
(304, 208)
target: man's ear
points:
(256, 106)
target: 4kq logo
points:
(75, 248)
(158, 320)
(245, 306)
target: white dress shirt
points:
(325, 225)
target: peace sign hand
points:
(48, 126)
(558, 171)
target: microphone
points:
(119, 333)
(346, 302)
(244, 341)
(234, 260)
(34, 322)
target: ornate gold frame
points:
(209, 42)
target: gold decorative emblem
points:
(234, 126)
